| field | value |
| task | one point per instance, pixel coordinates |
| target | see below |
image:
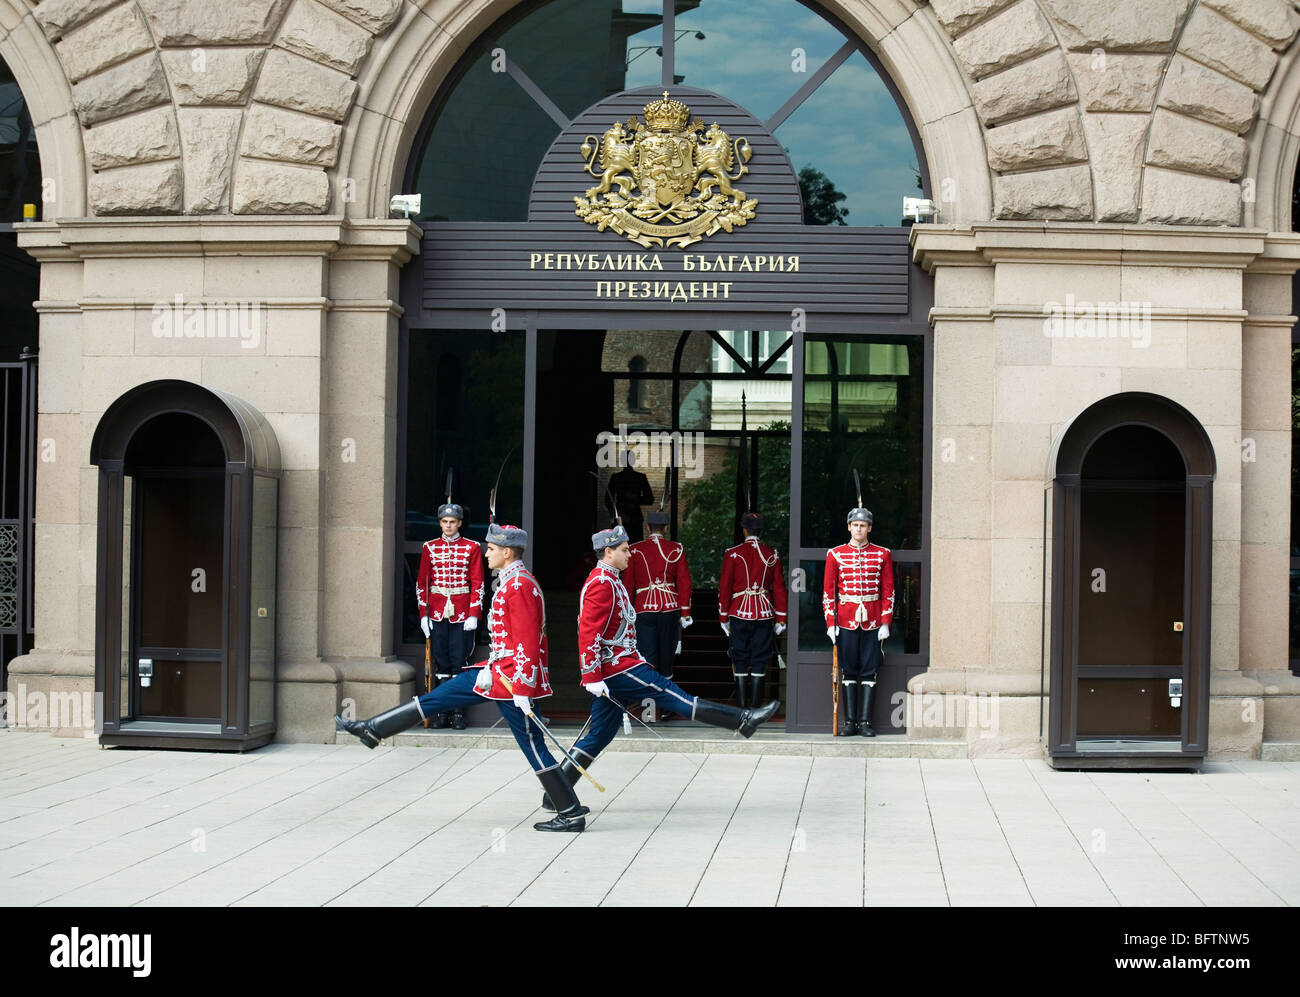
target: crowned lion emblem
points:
(674, 178)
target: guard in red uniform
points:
(613, 670)
(858, 601)
(751, 607)
(514, 675)
(449, 592)
(659, 581)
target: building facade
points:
(1068, 394)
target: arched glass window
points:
(810, 81)
(20, 165)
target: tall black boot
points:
(730, 718)
(438, 720)
(756, 683)
(742, 691)
(865, 691)
(382, 725)
(849, 701)
(571, 776)
(571, 815)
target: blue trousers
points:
(657, 636)
(860, 654)
(751, 646)
(450, 647)
(458, 692)
(632, 688)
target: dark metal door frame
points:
(1189, 437)
(17, 522)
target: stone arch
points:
(408, 66)
(1197, 156)
(40, 76)
(1274, 148)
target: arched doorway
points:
(20, 184)
(797, 336)
(185, 569)
(1131, 542)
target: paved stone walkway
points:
(339, 825)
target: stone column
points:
(105, 284)
(1006, 386)
(1266, 487)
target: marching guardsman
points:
(449, 592)
(616, 674)
(514, 675)
(858, 602)
(659, 581)
(751, 607)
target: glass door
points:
(178, 563)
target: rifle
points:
(428, 674)
(835, 690)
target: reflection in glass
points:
(460, 144)
(757, 53)
(872, 162)
(465, 411)
(747, 52)
(1295, 614)
(863, 408)
(20, 163)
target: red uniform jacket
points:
(658, 578)
(517, 624)
(859, 588)
(450, 584)
(750, 571)
(606, 626)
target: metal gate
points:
(17, 503)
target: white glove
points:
(471, 623)
(686, 622)
(426, 625)
(597, 689)
(484, 681)
(726, 628)
(883, 633)
(832, 633)
(524, 703)
(780, 629)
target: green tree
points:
(709, 505)
(820, 199)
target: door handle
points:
(1175, 693)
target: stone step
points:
(697, 740)
(1278, 751)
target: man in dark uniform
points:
(613, 670)
(630, 490)
(449, 592)
(751, 607)
(858, 602)
(514, 675)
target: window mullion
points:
(669, 43)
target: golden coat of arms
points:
(665, 170)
